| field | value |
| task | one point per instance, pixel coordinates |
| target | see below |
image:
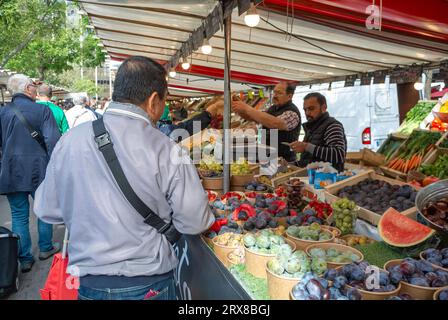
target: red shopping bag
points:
(60, 285)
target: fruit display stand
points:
(364, 214)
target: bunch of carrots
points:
(411, 154)
(406, 165)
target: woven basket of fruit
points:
(357, 276)
(335, 231)
(441, 294)
(235, 257)
(287, 269)
(226, 243)
(336, 255)
(353, 240)
(419, 278)
(305, 236)
(437, 258)
(261, 248)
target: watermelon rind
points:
(409, 228)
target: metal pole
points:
(110, 82)
(427, 82)
(96, 84)
(227, 103)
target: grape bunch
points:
(345, 214)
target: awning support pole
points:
(227, 103)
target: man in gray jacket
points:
(115, 254)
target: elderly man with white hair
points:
(79, 113)
(28, 135)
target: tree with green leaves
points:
(37, 41)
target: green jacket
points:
(166, 114)
(58, 114)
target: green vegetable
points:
(418, 143)
(276, 266)
(257, 288)
(263, 242)
(249, 240)
(390, 146)
(438, 169)
(290, 264)
(378, 253)
(444, 144)
(415, 116)
(319, 265)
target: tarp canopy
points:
(330, 39)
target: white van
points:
(368, 113)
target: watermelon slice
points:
(400, 231)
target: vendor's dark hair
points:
(319, 96)
(137, 78)
(290, 87)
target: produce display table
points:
(201, 276)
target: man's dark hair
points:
(319, 96)
(290, 87)
(45, 90)
(137, 78)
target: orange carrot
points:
(398, 164)
(406, 166)
(392, 162)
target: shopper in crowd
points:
(179, 113)
(283, 116)
(44, 93)
(68, 104)
(102, 107)
(80, 113)
(116, 254)
(24, 160)
(325, 138)
(187, 127)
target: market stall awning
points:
(320, 47)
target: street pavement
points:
(33, 281)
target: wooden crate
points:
(353, 156)
(372, 158)
(365, 157)
(393, 136)
(444, 138)
(364, 214)
(394, 174)
(277, 181)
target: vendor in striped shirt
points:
(324, 136)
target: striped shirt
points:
(335, 147)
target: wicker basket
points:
(304, 244)
(339, 247)
(279, 287)
(222, 251)
(256, 262)
(416, 292)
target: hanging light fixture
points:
(206, 47)
(252, 18)
(172, 73)
(185, 64)
(418, 85)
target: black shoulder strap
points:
(34, 134)
(105, 145)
